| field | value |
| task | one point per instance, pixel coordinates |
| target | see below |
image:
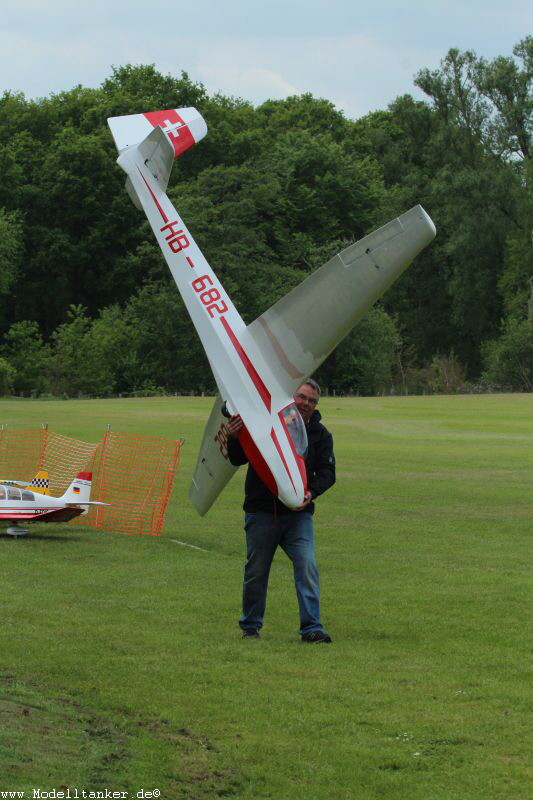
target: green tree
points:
(7, 375)
(363, 363)
(79, 366)
(268, 190)
(10, 249)
(508, 360)
(446, 374)
(29, 356)
(507, 86)
(406, 143)
(165, 351)
(445, 157)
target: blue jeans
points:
(295, 535)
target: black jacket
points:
(319, 462)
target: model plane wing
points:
(213, 468)
(302, 328)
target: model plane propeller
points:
(257, 368)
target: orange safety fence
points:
(21, 453)
(133, 474)
(63, 457)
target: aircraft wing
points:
(298, 332)
(213, 469)
(64, 514)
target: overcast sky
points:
(359, 55)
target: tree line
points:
(87, 306)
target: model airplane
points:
(38, 484)
(22, 505)
(257, 368)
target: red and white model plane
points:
(257, 368)
(20, 505)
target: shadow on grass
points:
(40, 537)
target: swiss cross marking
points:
(171, 128)
(175, 238)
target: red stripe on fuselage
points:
(250, 369)
(280, 452)
(22, 513)
(154, 198)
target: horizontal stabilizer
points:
(182, 126)
(165, 135)
(213, 468)
(298, 332)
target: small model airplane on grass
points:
(22, 505)
(257, 368)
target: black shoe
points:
(250, 633)
(316, 637)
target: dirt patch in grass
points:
(49, 742)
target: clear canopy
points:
(296, 428)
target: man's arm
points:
(322, 475)
(236, 454)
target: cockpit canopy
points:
(296, 428)
(12, 493)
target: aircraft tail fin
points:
(161, 137)
(40, 484)
(79, 490)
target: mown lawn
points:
(121, 664)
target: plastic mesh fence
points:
(64, 457)
(133, 474)
(21, 453)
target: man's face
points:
(306, 399)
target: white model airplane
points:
(22, 505)
(38, 484)
(257, 368)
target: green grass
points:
(121, 664)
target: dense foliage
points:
(87, 306)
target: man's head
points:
(306, 398)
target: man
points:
(269, 523)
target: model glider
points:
(257, 368)
(23, 506)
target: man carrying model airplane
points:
(269, 524)
(259, 367)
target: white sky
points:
(360, 55)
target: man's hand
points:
(234, 425)
(307, 499)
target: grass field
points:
(122, 667)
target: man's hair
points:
(314, 385)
